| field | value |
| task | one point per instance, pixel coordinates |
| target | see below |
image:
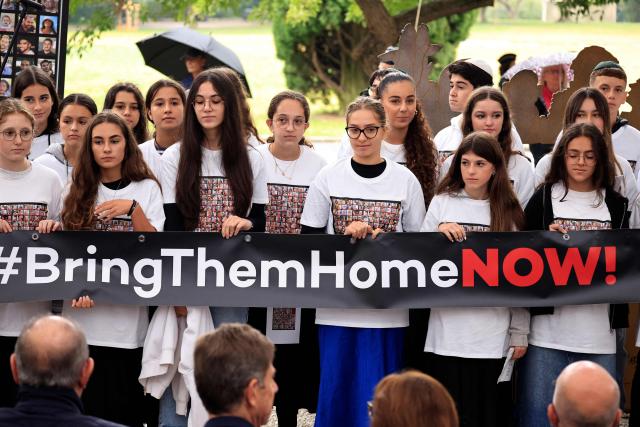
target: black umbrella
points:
(164, 52)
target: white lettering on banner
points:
(91, 264)
(444, 273)
(372, 274)
(317, 269)
(282, 267)
(107, 264)
(176, 255)
(70, 266)
(403, 271)
(155, 280)
(204, 264)
(33, 265)
(241, 269)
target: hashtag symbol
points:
(7, 264)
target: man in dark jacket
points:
(51, 364)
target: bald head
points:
(51, 351)
(586, 395)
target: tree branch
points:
(319, 69)
(439, 9)
(379, 22)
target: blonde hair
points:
(13, 106)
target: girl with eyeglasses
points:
(487, 111)
(466, 347)
(213, 181)
(578, 194)
(112, 189)
(76, 112)
(125, 99)
(360, 196)
(30, 199)
(35, 89)
(291, 165)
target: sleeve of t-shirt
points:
(260, 192)
(318, 203)
(542, 169)
(153, 208)
(432, 218)
(55, 208)
(630, 190)
(444, 168)
(169, 173)
(413, 212)
(345, 150)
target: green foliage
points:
(580, 7)
(629, 11)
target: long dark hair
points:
(153, 91)
(421, 153)
(140, 129)
(506, 212)
(604, 174)
(78, 99)
(248, 124)
(233, 141)
(77, 211)
(35, 76)
(504, 137)
(294, 96)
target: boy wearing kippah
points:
(609, 78)
(465, 76)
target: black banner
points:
(410, 270)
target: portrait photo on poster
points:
(25, 44)
(29, 24)
(50, 6)
(8, 68)
(23, 63)
(48, 25)
(5, 41)
(7, 21)
(47, 46)
(9, 5)
(48, 66)
(5, 87)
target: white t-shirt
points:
(41, 143)
(216, 198)
(626, 142)
(288, 189)
(576, 328)
(151, 156)
(392, 201)
(469, 332)
(520, 172)
(26, 198)
(394, 152)
(448, 139)
(112, 325)
(625, 181)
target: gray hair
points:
(51, 363)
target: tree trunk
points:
(352, 81)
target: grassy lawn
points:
(115, 57)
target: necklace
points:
(291, 165)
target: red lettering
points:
(509, 263)
(572, 262)
(472, 264)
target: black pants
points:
(635, 398)
(8, 387)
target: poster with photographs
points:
(40, 40)
(283, 325)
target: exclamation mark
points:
(610, 263)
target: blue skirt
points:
(352, 361)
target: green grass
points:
(115, 57)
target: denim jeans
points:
(538, 371)
(221, 315)
(621, 361)
(168, 416)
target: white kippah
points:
(483, 65)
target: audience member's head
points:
(234, 373)
(52, 351)
(585, 396)
(410, 398)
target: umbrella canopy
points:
(537, 63)
(164, 52)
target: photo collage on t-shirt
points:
(23, 216)
(383, 214)
(116, 224)
(573, 224)
(632, 163)
(469, 227)
(216, 203)
(443, 155)
(36, 40)
(285, 208)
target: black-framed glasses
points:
(369, 132)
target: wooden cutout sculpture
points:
(634, 100)
(522, 91)
(412, 56)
